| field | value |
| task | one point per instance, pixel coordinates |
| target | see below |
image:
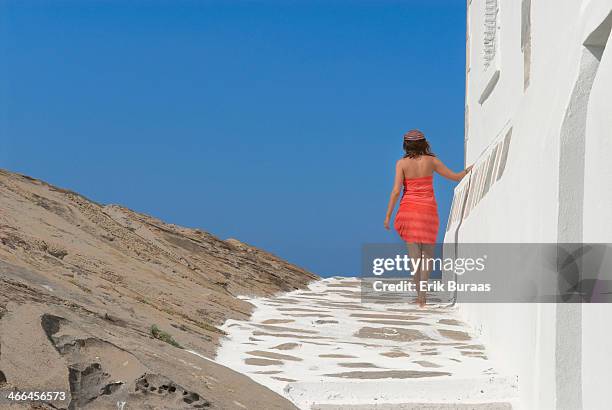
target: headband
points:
(414, 135)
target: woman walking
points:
(417, 218)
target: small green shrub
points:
(159, 334)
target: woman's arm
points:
(443, 170)
(395, 193)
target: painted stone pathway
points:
(323, 348)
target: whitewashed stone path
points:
(323, 348)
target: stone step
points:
(416, 406)
(479, 393)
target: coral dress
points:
(417, 218)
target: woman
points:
(417, 218)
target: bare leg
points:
(415, 252)
(427, 250)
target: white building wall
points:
(597, 227)
(549, 191)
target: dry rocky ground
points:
(109, 305)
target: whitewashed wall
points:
(555, 186)
(597, 227)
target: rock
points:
(82, 283)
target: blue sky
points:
(274, 122)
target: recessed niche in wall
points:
(504, 154)
(489, 172)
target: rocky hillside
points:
(114, 305)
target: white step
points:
(417, 406)
(439, 393)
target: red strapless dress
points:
(417, 218)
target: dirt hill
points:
(110, 305)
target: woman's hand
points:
(387, 222)
(467, 171)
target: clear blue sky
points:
(274, 122)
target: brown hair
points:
(415, 149)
